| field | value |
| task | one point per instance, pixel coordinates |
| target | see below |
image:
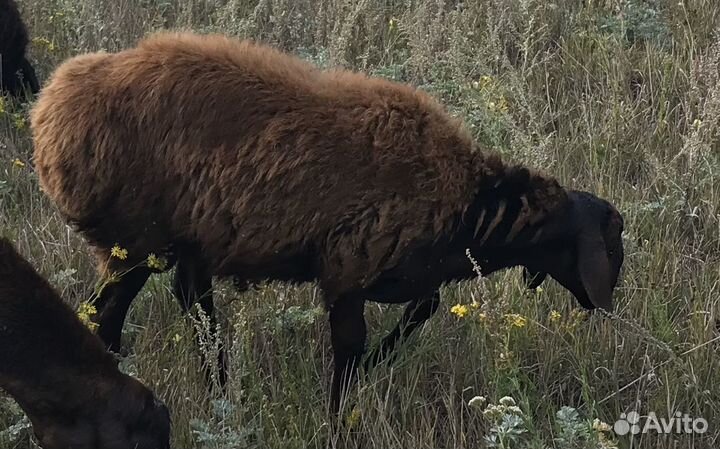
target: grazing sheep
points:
(61, 374)
(17, 73)
(243, 161)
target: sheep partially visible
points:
(17, 72)
(61, 374)
(243, 161)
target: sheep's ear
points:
(533, 279)
(594, 269)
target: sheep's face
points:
(136, 419)
(585, 253)
(132, 418)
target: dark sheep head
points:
(129, 418)
(583, 251)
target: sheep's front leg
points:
(348, 334)
(193, 285)
(114, 301)
(416, 313)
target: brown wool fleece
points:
(259, 159)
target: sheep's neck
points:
(497, 219)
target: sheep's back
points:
(247, 151)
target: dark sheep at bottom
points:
(243, 161)
(62, 376)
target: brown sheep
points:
(243, 161)
(17, 73)
(62, 376)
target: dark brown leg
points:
(114, 302)
(348, 333)
(29, 77)
(416, 313)
(193, 285)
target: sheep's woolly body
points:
(259, 159)
(39, 335)
(60, 373)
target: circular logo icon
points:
(628, 423)
(621, 427)
(634, 418)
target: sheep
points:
(17, 72)
(62, 376)
(240, 161)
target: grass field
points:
(618, 97)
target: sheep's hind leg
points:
(416, 313)
(114, 301)
(193, 285)
(29, 76)
(348, 333)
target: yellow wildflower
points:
(19, 121)
(18, 163)
(515, 320)
(392, 24)
(697, 124)
(502, 105)
(460, 310)
(44, 42)
(354, 417)
(576, 317)
(156, 263)
(600, 426)
(85, 313)
(555, 316)
(177, 338)
(118, 252)
(2, 105)
(485, 81)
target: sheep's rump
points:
(247, 152)
(13, 41)
(13, 35)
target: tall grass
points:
(618, 97)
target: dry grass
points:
(619, 97)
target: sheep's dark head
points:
(583, 250)
(128, 416)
